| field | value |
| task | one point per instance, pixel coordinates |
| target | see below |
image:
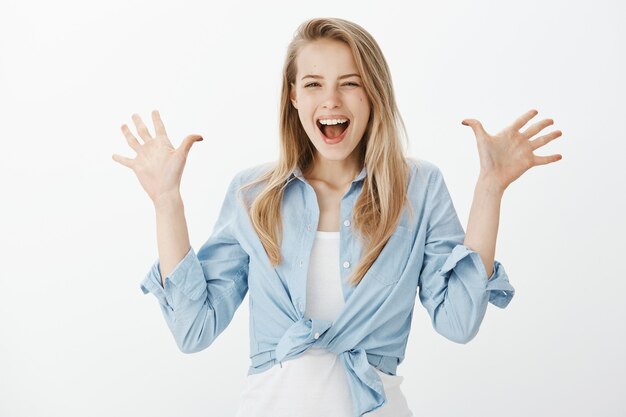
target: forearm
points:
(484, 218)
(172, 234)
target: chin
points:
(333, 156)
(334, 152)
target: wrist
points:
(490, 183)
(168, 202)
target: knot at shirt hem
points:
(366, 387)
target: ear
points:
(292, 95)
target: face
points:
(332, 93)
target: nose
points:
(331, 99)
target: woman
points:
(334, 239)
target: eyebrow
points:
(340, 78)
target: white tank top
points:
(317, 373)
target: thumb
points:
(185, 146)
(476, 126)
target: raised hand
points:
(158, 166)
(508, 154)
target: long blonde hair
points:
(378, 209)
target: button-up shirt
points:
(425, 255)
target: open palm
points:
(158, 165)
(508, 154)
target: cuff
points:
(500, 289)
(186, 277)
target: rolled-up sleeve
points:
(453, 283)
(204, 290)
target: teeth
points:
(332, 121)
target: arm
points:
(172, 233)
(504, 157)
(199, 296)
(482, 225)
(453, 284)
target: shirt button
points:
(316, 335)
(346, 264)
(308, 227)
(346, 222)
(300, 263)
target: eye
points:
(348, 83)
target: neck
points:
(334, 173)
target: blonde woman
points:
(334, 241)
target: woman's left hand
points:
(504, 157)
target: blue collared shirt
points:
(425, 252)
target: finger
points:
(127, 162)
(158, 123)
(141, 128)
(132, 141)
(523, 119)
(188, 141)
(542, 140)
(537, 127)
(542, 160)
(476, 126)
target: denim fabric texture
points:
(424, 257)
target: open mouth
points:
(333, 131)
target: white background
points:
(78, 233)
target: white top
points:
(317, 373)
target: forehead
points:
(326, 57)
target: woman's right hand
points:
(158, 166)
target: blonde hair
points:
(377, 211)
